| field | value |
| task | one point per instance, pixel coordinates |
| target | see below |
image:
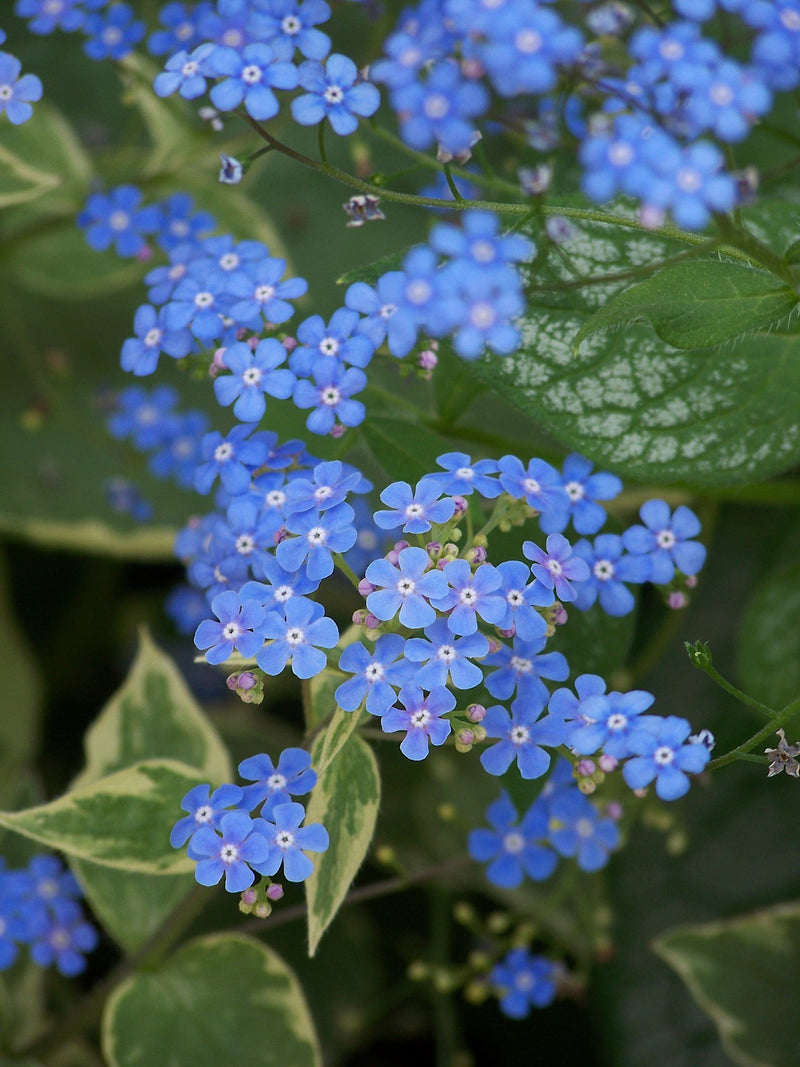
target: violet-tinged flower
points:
(557, 568)
(462, 477)
(319, 534)
(238, 628)
(421, 718)
(520, 668)
(17, 93)
(522, 598)
(232, 458)
(584, 489)
(470, 594)
(606, 722)
(609, 568)
(249, 77)
(577, 829)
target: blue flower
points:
(17, 93)
(142, 415)
(478, 240)
(181, 31)
(526, 44)
(319, 535)
(405, 588)
(199, 305)
(421, 718)
(331, 483)
(566, 706)
(414, 510)
(230, 852)
(232, 458)
(584, 489)
(320, 342)
(557, 568)
(63, 942)
(330, 395)
(116, 218)
(540, 486)
(520, 667)
(522, 598)
(522, 981)
(238, 628)
(296, 637)
(293, 776)
(205, 809)
(259, 292)
(181, 451)
(521, 736)
(254, 374)
(377, 674)
(608, 569)
(514, 851)
(489, 301)
(112, 34)
(446, 656)
(665, 539)
(249, 77)
(45, 16)
(288, 842)
(180, 224)
(184, 73)
(140, 354)
(441, 109)
(661, 752)
(378, 305)
(606, 722)
(463, 477)
(289, 24)
(577, 829)
(333, 92)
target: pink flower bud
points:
(289, 343)
(250, 896)
(280, 535)
(608, 763)
(465, 737)
(359, 616)
(691, 581)
(371, 622)
(476, 712)
(427, 359)
(677, 600)
(338, 430)
(275, 891)
(365, 587)
(614, 810)
(585, 767)
(461, 505)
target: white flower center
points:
(436, 106)
(530, 485)
(245, 544)
(519, 735)
(721, 94)
(515, 598)
(554, 567)
(584, 828)
(688, 179)
(603, 570)
(152, 337)
(387, 310)
(468, 596)
(230, 631)
(317, 536)
(528, 41)
(283, 593)
(414, 511)
(189, 68)
(329, 346)
(233, 38)
(482, 315)
(252, 376)
(574, 491)
(284, 840)
(119, 220)
(252, 74)
(665, 539)
(616, 722)
(47, 888)
(514, 842)
(520, 665)
(264, 293)
(295, 636)
(323, 493)
(275, 782)
(620, 154)
(664, 755)
(204, 814)
(275, 499)
(671, 49)
(334, 94)
(418, 291)
(112, 35)
(465, 474)
(229, 853)
(405, 587)
(330, 396)
(483, 251)
(223, 452)
(204, 300)
(374, 672)
(420, 718)
(230, 261)
(791, 20)
(291, 25)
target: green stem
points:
(723, 683)
(755, 249)
(784, 716)
(323, 155)
(451, 183)
(346, 570)
(358, 896)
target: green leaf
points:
(769, 638)
(22, 1002)
(221, 1001)
(744, 973)
(121, 821)
(699, 304)
(405, 449)
(346, 799)
(153, 714)
(20, 182)
(633, 403)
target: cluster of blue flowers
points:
(647, 117)
(17, 91)
(110, 27)
(241, 831)
(39, 907)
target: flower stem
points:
(784, 716)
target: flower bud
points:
(338, 430)
(476, 712)
(461, 506)
(607, 763)
(275, 891)
(586, 786)
(289, 343)
(365, 587)
(476, 554)
(614, 810)
(427, 359)
(585, 767)
(677, 600)
(691, 581)
(464, 740)
(359, 616)
(371, 622)
(263, 909)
